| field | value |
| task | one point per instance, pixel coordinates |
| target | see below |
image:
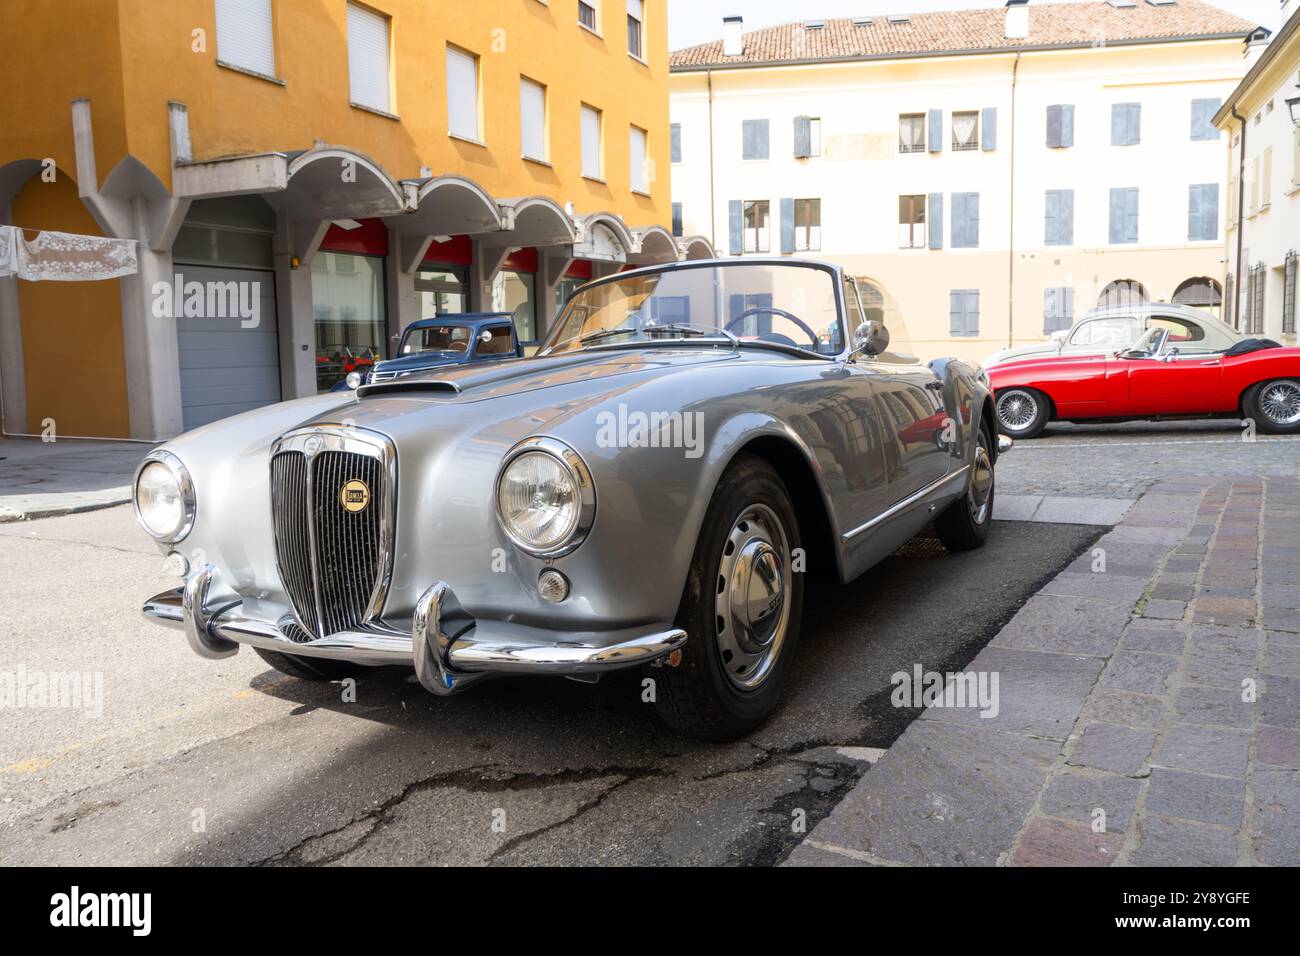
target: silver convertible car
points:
(651, 489)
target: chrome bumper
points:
(1004, 444)
(448, 648)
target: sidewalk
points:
(1149, 714)
(40, 479)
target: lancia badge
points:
(354, 496)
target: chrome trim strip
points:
(449, 650)
(907, 502)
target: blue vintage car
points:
(445, 340)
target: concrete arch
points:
(317, 188)
(452, 206)
(539, 221)
(696, 247)
(655, 245)
(599, 229)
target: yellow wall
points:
(72, 331)
(232, 113)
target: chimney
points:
(732, 44)
(1017, 19)
(1256, 44)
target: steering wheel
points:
(776, 336)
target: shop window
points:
(516, 293)
(441, 291)
(351, 321)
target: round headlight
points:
(164, 497)
(354, 380)
(545, 500)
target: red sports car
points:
(1155, 379)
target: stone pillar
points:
(13, 379)
(488, 260)
(555, 261)
(296, 315)
(150, 343)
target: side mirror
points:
(871, 338)
(485, 336)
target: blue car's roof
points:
(466, 319)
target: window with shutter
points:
(1058, 309)
(675, 135)
(802, 137)
(368, 69)
(677, 219)
(1261, 281)
(911, 222)
(1058, 217)
(1290, 301)
(636, 28)
(1060, 126)
(935, 216)
(638, 161)
(911, 133)
(757, 220)
(807, 225)
(532, 119)
(1248, 313)
(1126, 124)
(936, 131)
(1123, 216)
(965, 131)
(1203, 212)
(736, 227)
(754, 139)
(1203, 127)
(592, 163)
(965, 220)
(964, 312)
(245, 35)
(989, 134)
(462, 93)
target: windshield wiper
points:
(600, 334)
(679, 329)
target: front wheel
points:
(1275, 406)
(964, 525)
(740, 608)
(1022, 412)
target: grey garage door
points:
(225, 368)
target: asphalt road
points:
(202, 762)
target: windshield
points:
(787, 304)
(1151, 343)
(437, 338)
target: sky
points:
(698, 21)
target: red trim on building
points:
(371, 239)
(578, 269)
(456, 251)
(521, 260)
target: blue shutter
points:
(1117, 207)
(965, 220)
(1050, 309)
(1067, 125)
(802, 137)
(787, 226)
(1131, 216)
(1203, 211)
(1194, 224)
(736, 219)
(1210, 210)
(1203, 119)
(755, 139)
(1053, 127)
(1135, 123)
(676, 130)
(1052, 218)
(934, 221)
(935, 144)
(972, 309)
(1065, 217)
(1118, 125)
(956, 312)
(989, 135)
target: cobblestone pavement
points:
(1123, 460)
(1148, 708)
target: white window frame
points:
(246, 36)
(457, 59)
(639, 167)
(761, 235)
(913, 234)
(591, 151)
(528, 85)
(594, 6)
(361, 17)
(639, 17)
(808, 238)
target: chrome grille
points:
(334, 562)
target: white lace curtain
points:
(64, 256)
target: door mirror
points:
(871, 338)
(485, 336)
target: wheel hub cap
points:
(751, 607)
(1017, 409)
(981, 485)
(1280, 403)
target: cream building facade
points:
(992, 174)
(1262, 119)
